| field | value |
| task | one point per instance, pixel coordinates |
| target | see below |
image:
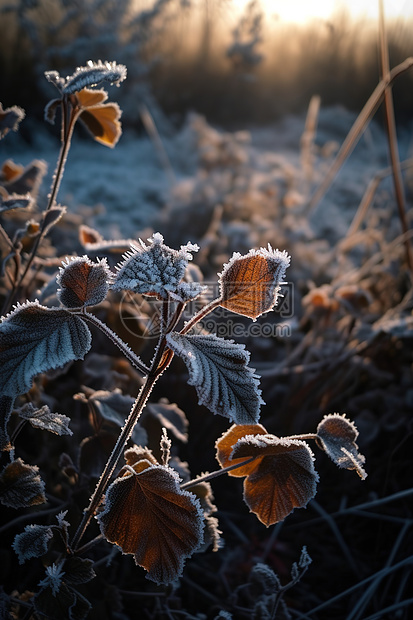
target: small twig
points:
(32, 515)
(89, 544)
(215, 474)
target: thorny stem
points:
(67, 132)
(215, 474)
(122, 346)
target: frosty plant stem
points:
(69, 119)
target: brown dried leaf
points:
(284, 477)
(281, 477)
(149, 516)
(337, 436)
(83, 282)
(250, 284)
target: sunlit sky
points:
(303, 10)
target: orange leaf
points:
(250, 284)
(89, 98)
(103, 123)
(10, 170)
(149, 516)
(227, 441)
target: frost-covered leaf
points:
(45, 419)
(101, 119)
(78, 570)
(21, 485)
(264, 577)
(91, 75)
(284, 477)
(33, 542)
(218, 369)
(188, 291)
(250, 284)
(88, 235)
(35, 339)
(50, 110)
(337, 436)
(139, 453)
(83, 282)
(10, 119)
(212, 533)
(15, 201)
(6, 407)
(115, 407)
(281, 477)
(29, 180)
(149, 516)
(155, 269)
(52, 216)
(167, 415)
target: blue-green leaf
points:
(35, 339)
(33, 542)
(219, 371)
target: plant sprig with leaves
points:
(149, 506)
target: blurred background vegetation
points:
(234, 65)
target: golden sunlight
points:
(302, 11)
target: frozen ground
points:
(128, 187)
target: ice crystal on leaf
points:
(280, 478)
(91, 75)
(218, 369)
(337, 436)
(149, 516)
(250, 284)
(154, 269)
(35, 339)
(53, 579)
(83, 282)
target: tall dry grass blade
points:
(392, 136)
(369, 195)
(356, 131)
(153, 133)
(307, 139)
